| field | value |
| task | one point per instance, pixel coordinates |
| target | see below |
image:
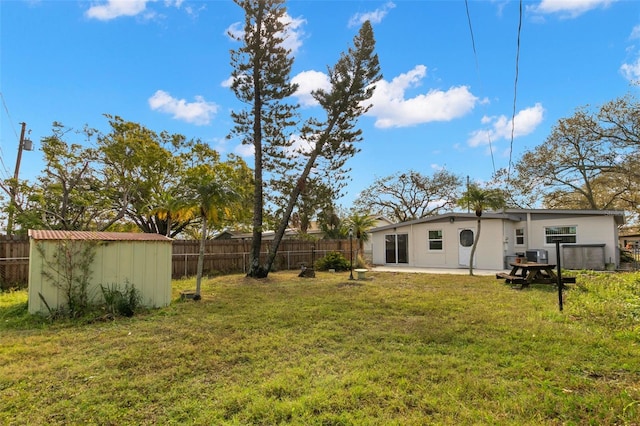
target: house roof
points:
(266, 235)
(45, 234)
(514, 215)
(618, 215)
(451, 217)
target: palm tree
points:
(212, 201)
(481, 199)
(170, 209)
(361, 223)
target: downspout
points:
(413, 259)
(528, 236)
(505, 242)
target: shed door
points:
(465, 242)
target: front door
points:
(465, 242)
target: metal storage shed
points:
(141, 260)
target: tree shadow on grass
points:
(353, 283)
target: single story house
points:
(588, 239)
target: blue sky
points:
(165, 64)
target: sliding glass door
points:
(397, 248)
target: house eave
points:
(507, 214)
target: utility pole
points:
(23, 144)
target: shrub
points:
(68, 268)
(360, 262)
(121, 302)
(626, 256)
(333, 260)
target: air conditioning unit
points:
(537, 255)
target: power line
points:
(473, 42)
(515, 92)
(4, 103)
(493, 163)
(475, 55)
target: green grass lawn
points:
(394, 349)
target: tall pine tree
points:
(261, 79)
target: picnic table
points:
(530, 273)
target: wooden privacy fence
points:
(14, 261)
(229, 256)
(221, 256)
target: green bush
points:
(333, 260)
(68, 268)
(360, 262)
(121, 302)
(626, 256)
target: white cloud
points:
(635, 33)
(300, 146)
(112, 9)
(176, 3)
(391, 109)
(375, 17)
(199, 112)
(292, 38)
(308, 81)
(525, 122)
(227, 83)
(236, 30)
(244, 150)
(568, 8)
(631, 71)
(115, 8)
(294, 34)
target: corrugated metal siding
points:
(145, 264)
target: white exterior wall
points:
(510, 245)
(367, 246)
(589, 230)
(497, 238)
(377, 247)
(489, 254)
(144, 264)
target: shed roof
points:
(44, 234)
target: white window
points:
(566, 234)
(520, 236)
(435, 240)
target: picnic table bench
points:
(515, 279)
(532, 273)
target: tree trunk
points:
(473, 248)
(201, 258)
(293, 198)
(255, 269)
